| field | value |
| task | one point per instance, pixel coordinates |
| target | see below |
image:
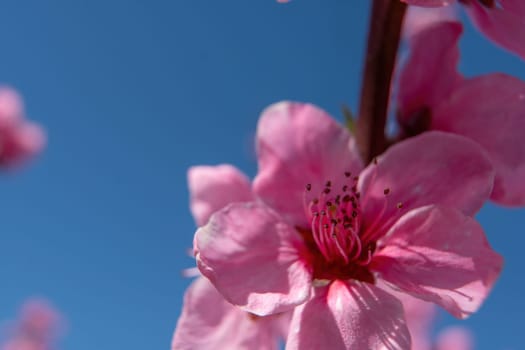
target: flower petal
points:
(253, 258)
(419, 317)
(455, 338)
(440, 255)
(349, 316)
(429, 3)
(491, 111)
(504, 24)
(429, 73)
(432, 168)
(418, 19)
(299, 144)
(213, 187)
(209, 322)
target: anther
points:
(348, 174)
(386, 191)
(308, 187)
(354, 214)
(326, 190)
(345, 188)
(328, 183)
(346, 198)
(399, 205)
(356, 178)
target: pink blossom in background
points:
(19, 139)
(324, 232)
(37, 328)
(207, 320)
(503, 21)
(489, 109)
(420, 316)
(454, 338)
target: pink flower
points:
(208, 321)
(37, 329)
(503, 21)
(19, 139)
(328, 231)
(488, 109)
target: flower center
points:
(340, 245)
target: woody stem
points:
(386, 21)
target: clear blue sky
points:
(134, 92)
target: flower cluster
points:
(326, 251)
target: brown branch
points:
(386, 21)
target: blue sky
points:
(132, 93)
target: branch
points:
(383, 40)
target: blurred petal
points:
(213, 187)
(430, 72)
(455, 338)
(349, 316)
(439, 255)
(504, 24)
(299, 144)
(418, 19)
(209, 322)
(491, 111)
(253, 258)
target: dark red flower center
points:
(339, 244)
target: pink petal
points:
(418, 19)
(38, 328)
(208, 321)
(299, 144)
(213, 187)
(419, 317)
(429, 3)
(440, 255)
(430, 72)
(432, 168)
(504, 24)
(491, 111)
(455, 338)
(253, 258)
(11, 107)
(349, 316)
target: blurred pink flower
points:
(19, 139)
(208, 321)
(488, 109)
(37, 328)
(420, 316)
(503, 21)
(326, 231)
